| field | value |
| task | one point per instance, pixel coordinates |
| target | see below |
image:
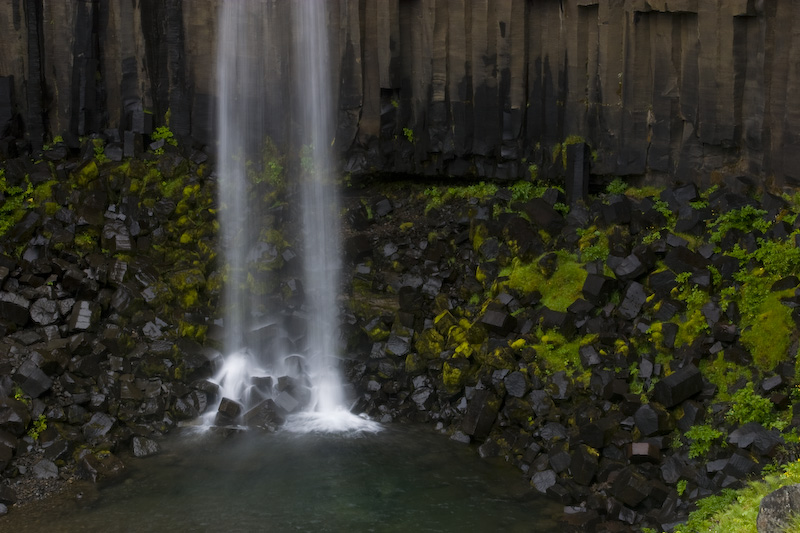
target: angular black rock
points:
(678, 386)
(481, 413)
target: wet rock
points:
(32, 380)
(116, 237)
(423, 397)
(45, 469)
(14, 308)
(516, 384)
(85, 316)
(230, 408)
(398, 345)
(14, 416)
(100, 465)
(757, 438)
(652, 419)
(542, 481)
(265, 415)
(643, 452)
(678, 386)
(583, 464)
(98, 427)
(44, 311)
(778, 509)
(599, 434)
(7, 495)
(541, 403)
(632, 301)
(499, 322)
(597, 288)
(144, 447)
(630, 487)
(481, 413)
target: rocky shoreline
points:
(619, 351)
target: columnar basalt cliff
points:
(680, 88)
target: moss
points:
(479, 234)
(86, 174)
(690, 329)
(452, 376)
(377, 333)
(769, 334)
(559, 291)
(43, 192)
(444, 321)
(414, 363)
(557, 353)
(723, 374)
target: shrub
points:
(747, 406)
(701, 438)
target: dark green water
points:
(401, 479)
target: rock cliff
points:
(680, 88)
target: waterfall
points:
(272, 373)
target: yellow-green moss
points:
(452, 376)
(769, 334)
(691, 328)
(723, 374)
(559, 291)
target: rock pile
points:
(592, 397)
(103, 308)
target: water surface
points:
(399, 480)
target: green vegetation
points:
(560, 150)
(617, 186)
(163, 132)
(701, 437)
(37, 427)
(735, 511)
(17, 200)
(439, 196)
(745, 219)
(559, 290)
(747, 406)
(408, 133)
(100, 151)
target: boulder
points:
(778, 509)
(98, 426)
(14, 416)
(481, 413)
(583, 464)
(678, 386)
(85, 316)
(14, 308)
(45, 469)
(100, 465)
(630, 487)
(32, 380)
(652, 419)
(265, 415)
(144, 447)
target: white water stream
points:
(242, 68)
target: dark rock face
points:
(482, 114)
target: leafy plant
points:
(617, 186)
(409, 134)
(744, 219)
(747, 406)
(163, 132)
(701, 437)
(37, 427)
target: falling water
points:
(244, 122)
